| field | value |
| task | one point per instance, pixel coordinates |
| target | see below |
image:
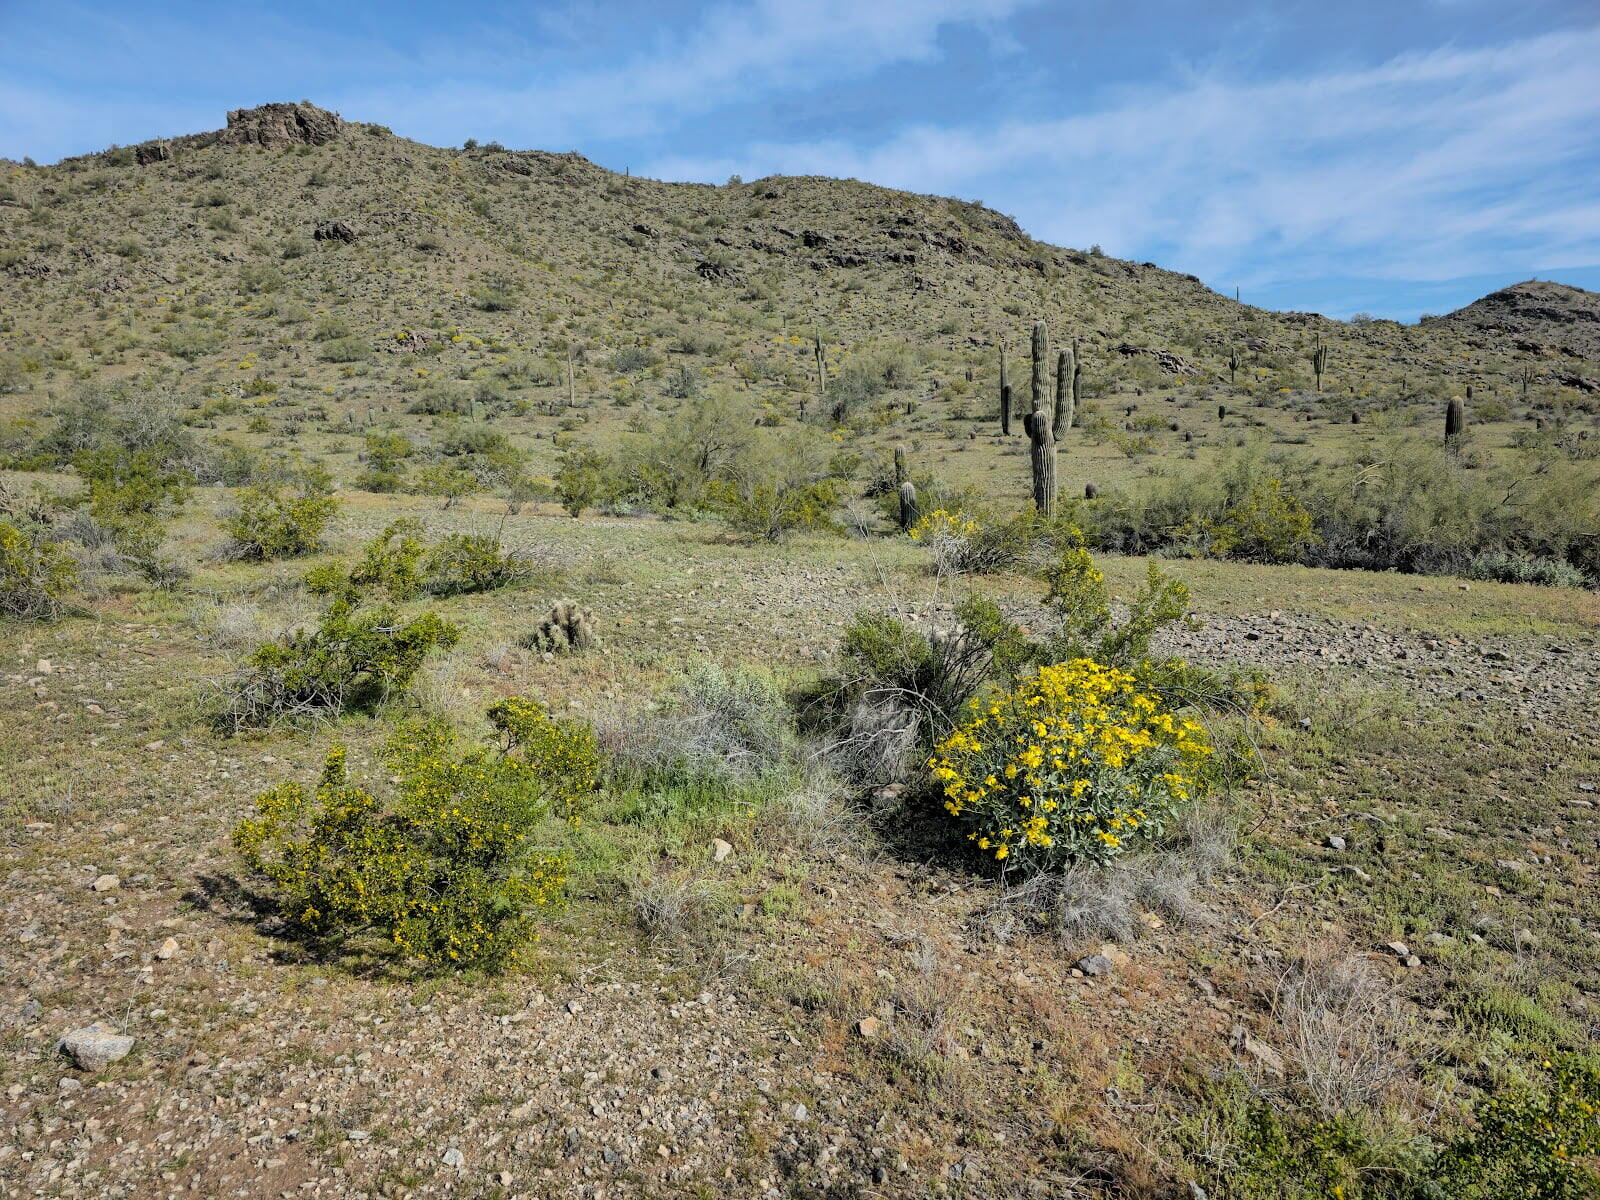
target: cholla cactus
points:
(567, 629)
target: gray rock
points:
(1335, 842)
(453, 1158)
(96, 1046)
(1094, 964)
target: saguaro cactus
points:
(1319, 360)
(899, 466)
(908, 505)
(1233, 364)
(1077, 381)
(1066, 402)
(1005, 395)
(1038, 424)
(1222, 412)
(1455, 420)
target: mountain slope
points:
(343, 270)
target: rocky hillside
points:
(243, 243)
(1537, 317)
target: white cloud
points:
(1429, 166)
(733, 52)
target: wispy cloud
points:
(732, 53)
(1429, 166)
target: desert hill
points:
(291, 210)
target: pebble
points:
(453, 1158)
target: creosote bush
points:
(36, 573)
(267, 524)
(451, 869)
(355, 658)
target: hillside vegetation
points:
(524, 682)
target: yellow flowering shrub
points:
(941, 522)
(1075, 765)
(449, 871)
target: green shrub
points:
(582, 480)
(446, 481)
(473, 562)
(1507, 566)
(965, 542)
(390, 562)
(450, 870)
(1529, 1143)
(355, 658)
(36, 573)
(267, 524)
(128, 495)
(1266, 525)
(773, 510)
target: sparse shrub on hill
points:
(385, 455)
(583, 480)
(268, 524)
(129, 495)
(356, 657)
(474, 562)
(37, 573)
(454, 868)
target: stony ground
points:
(848, 1031)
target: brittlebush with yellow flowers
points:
(455, 868)
(1077, 764)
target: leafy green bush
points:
(773, 510)
(450, 870)
(1266, 525)
(582, 480)
(473, 562)
(390, 562)
(267, 524)
(355, 658)
(1526, 1143)
(36, 573)
(385, 457)
(128, 495)
(1506, 566)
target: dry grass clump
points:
(1113, 902)
(716, 727)
(1343, 1027)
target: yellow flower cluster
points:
(941, 522)
(1072, 766)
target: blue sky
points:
(1394, 157)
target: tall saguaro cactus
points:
(1039, 425)
(909, 515)
(1319, 360)
(1233, 364)
(1455, 420)
(1005, 394)
(1066, 378)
